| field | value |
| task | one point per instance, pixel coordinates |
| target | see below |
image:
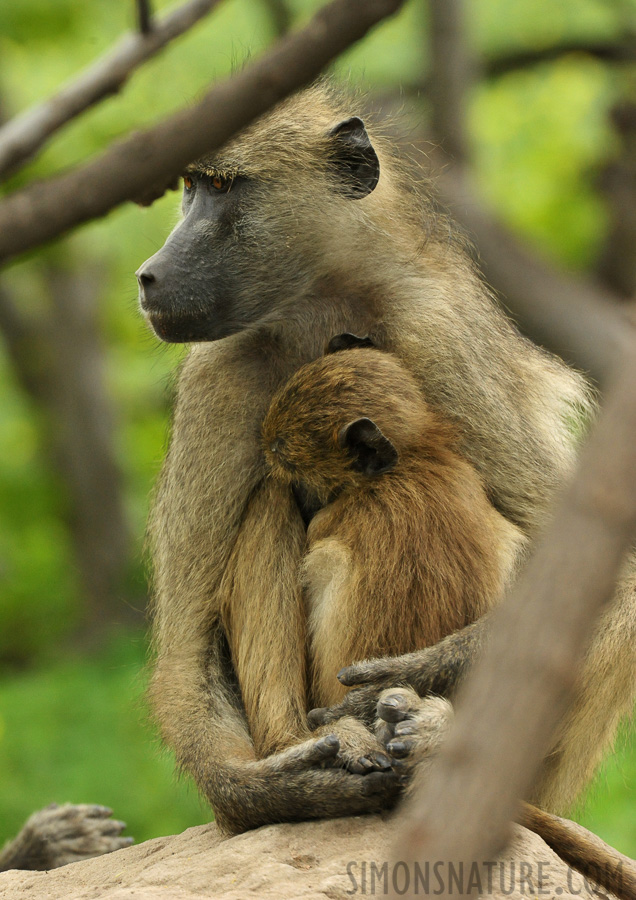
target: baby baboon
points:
(304, 226)
(58, 835)
(407, 547)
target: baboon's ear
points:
(347, 341)
(372, 452)
(354, 158)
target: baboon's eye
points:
(221, 183)
(188, 183)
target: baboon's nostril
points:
(145, 278)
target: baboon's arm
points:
(203, 719)
(604, 692)
(433, 670)
(227, 551)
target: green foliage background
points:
(74, 727)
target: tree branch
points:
(575, 317)
(584, 851)
(450, 76)
(25, 343)
(149, 161)
(607, 51)
(144, 16)
(617, 183)
(24, 135)
(280, 14)
(520, 689)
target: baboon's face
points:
(249, 240)
(188, 289)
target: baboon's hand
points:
(360, 703)
(58, 835)
(360, 750)
(370, 678)
(433, 670)
(303, 782)
(412, 728)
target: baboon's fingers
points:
(74, 812)
(400, 748)
(372, 762)
(98, 812)
(395, 705)
(360, 703)
(318, 717)
(405, 728)
(360, 750)
(362, 673)
(80, 848)
(111, 827)
(324, 748)
(309, 753)
(380, 782)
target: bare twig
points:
(617, 182)
(24, 344)
(149, 161)
(144, 16)
(24, 135)
(520, 689)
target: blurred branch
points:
(449, 77)
(58, 360)
(144, 16)
(146, 163)
(617, 183)
(607, 51)
(280, 14)
(24, 135)
(24, 343)
(520, 688)
(575, 317)
(82, 431)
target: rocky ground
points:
(335, 859)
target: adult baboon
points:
(302, 228)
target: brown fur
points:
(302, 261)
(399, 560)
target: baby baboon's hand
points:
(58, 835)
